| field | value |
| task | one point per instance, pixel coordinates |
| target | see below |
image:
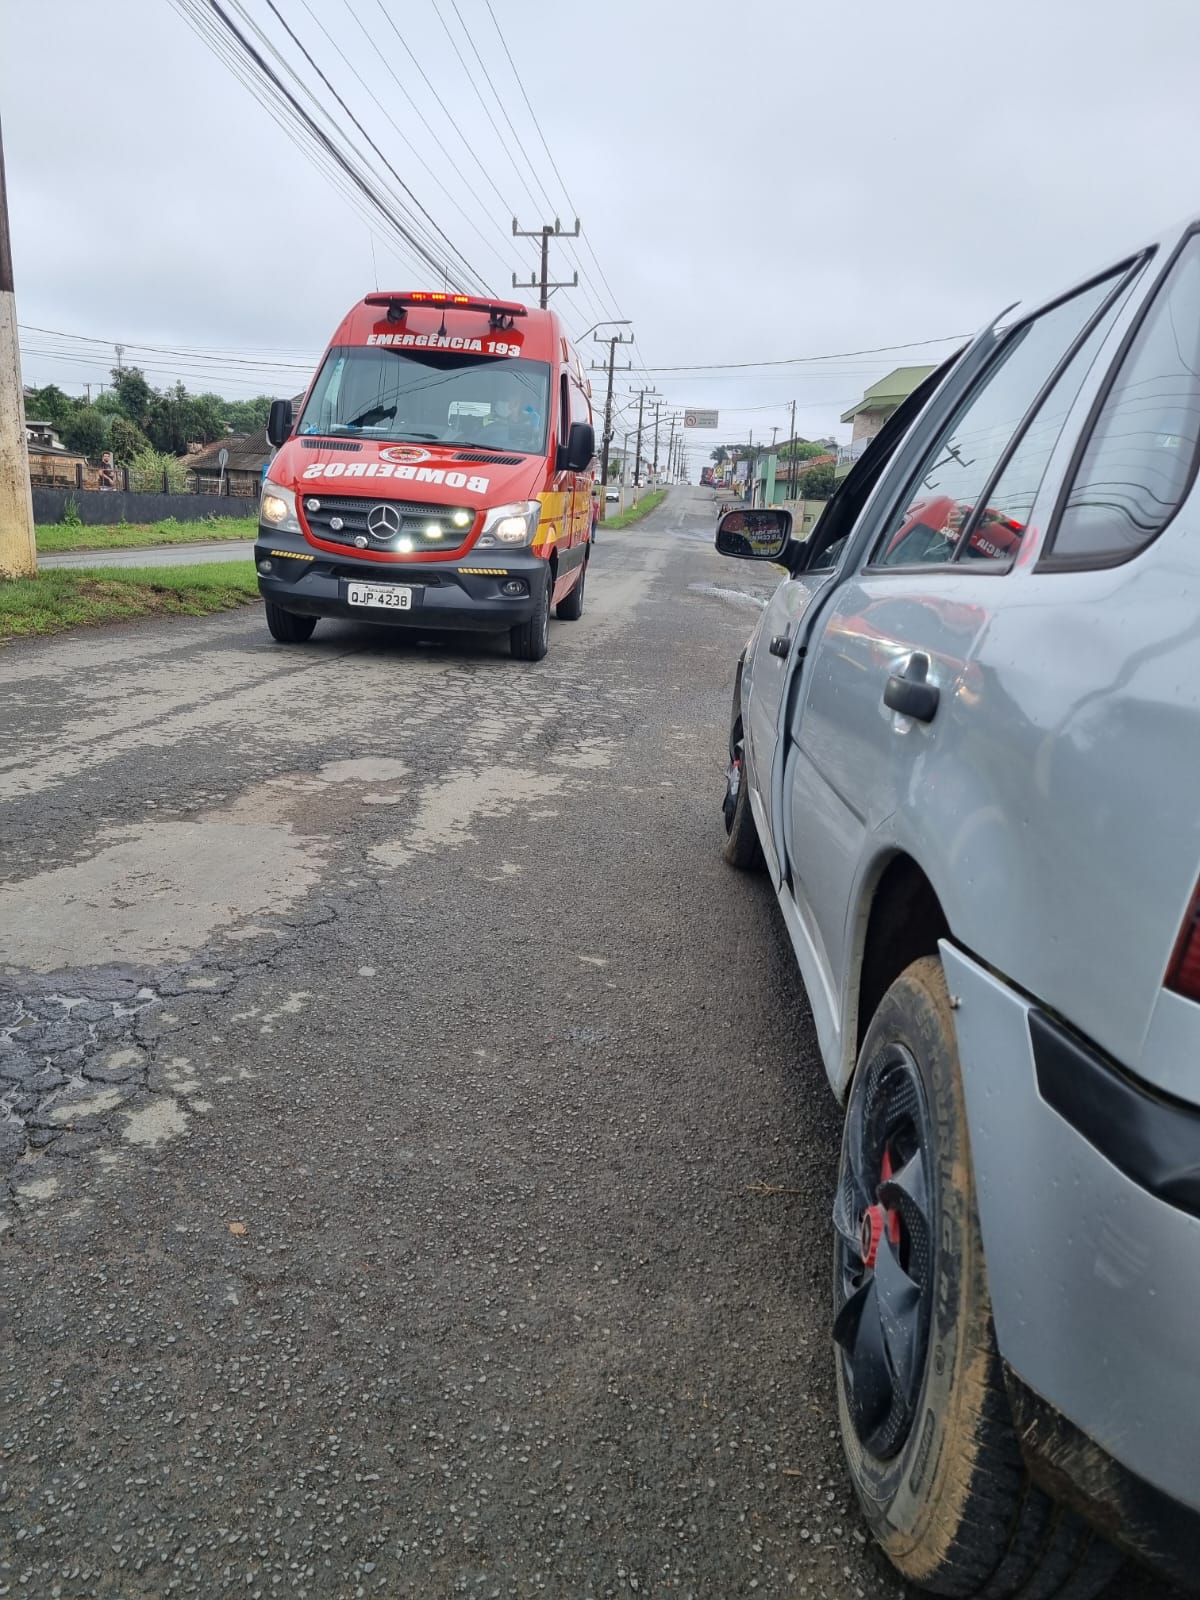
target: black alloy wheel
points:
(884, 1250)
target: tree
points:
(48, 405)
(204, 418)
(134, 394)
(126, 440)
(178, 419)
(150, 469)
(802, 450)
(85, 431)
(247, 416)
(818, 482)
(719, 456)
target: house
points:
(243, 470)
(774, 476)
(870, 413)
(51, 464)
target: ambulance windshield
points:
(493, 403)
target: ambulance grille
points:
(429, 527)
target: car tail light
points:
(1183, 974)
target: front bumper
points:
(1094, 1272)
(453, 595)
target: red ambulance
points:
(437, 476)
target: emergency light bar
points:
(397, 304)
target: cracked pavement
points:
(417, 1162)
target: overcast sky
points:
(756, 182)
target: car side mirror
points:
(581, 447)
(279, 423)
(754, 535)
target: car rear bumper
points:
(1094, 1268)
(454, 595)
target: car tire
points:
(925, 1421)
(286, 626)
(571, 609)
(529, 641)
(742, 848)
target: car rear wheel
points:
(571, 609)
(925, 1422)
(529, 641)
(286, 626)
(742, 848)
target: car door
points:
(778, 646)
(896, 639)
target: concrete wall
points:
(97, 508)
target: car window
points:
(995, 530)
(1141, 454)
(957, 469)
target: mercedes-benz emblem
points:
(383, 522)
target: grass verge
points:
(83, 597)
(635, 513)
(130, 536)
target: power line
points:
(504, 145)
(574, 210)
(326, 143)
(425, 123)
(451, 246)
(291, 121)
(798, 361)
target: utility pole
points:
(606, 442)
(792, 462)
(671, 452)
(657, 409)
(545, 234)
(18, 549)
(637, 459)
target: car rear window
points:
(1141, 455)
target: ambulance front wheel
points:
(286, 626)
(530, 640)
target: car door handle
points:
(780, 644)
(910, 693)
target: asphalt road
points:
(419, 1165)
(155, 555)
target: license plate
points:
(389, 596)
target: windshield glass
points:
(431, 396)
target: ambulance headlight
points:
(277, 508)
(510, 527)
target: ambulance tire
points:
(287, 627)
(571, 609)
(529, 641)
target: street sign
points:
(701, 419)
(222, 458)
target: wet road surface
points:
(419, 1166)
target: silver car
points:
(963, 740)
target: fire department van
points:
(437, 476)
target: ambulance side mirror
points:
(581, 447)
(279, 423)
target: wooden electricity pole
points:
(18, 551)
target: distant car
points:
(611, 495)
(946, 727)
